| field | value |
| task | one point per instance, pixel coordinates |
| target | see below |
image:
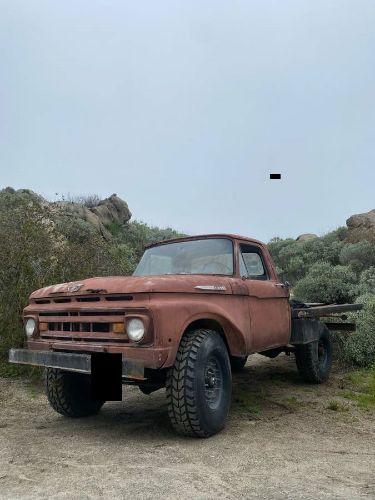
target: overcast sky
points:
(184, 108)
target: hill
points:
(45, 242)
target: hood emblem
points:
(215, 288)
(74, 287)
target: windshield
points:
(209, 256)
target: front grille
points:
(82, 325)
(79, 327)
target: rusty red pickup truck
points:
(193, 311)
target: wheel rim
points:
(322, 353)
(213, 383)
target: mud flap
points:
(106, 376)
(305, 331)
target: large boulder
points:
(306, 237)
(361, 226)
(76, 213)
(112, 210)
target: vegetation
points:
(362, 388)
(39, 247)
(89, 201)
(331, 269)
(335, 405)
(327, 283)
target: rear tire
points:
(199, 385)
(237, 364)
(69, 393)
(314, 360)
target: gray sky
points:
(183, 108)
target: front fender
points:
(175, 314)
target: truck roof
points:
(203, 236)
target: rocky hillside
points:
(43, 242)
(361, 226)
(109, 219)
(112, 211)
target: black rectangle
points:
(275, 176)
(106, 376)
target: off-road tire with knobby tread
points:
(237, 364)
(190, 412)
(69, 393)
(314, 360)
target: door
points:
(268, 301)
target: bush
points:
(327, 283)
(359, 348)
(324, 249)
(88, 200)
(359, 255)
(366, 282)
(293, 259)
(28, 262)
(39, 249)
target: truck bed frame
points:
(308, 320)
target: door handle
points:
(280, 285)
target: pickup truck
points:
(193, 311)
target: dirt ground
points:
(284, 439)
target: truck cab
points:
(192, 312)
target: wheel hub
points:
(213, 383)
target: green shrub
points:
(359, 255)
(327, 283)
(293, 259)
(28, 261)
(327, 248)
(366, 282)
(39, 249)
(359, 348)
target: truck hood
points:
(139, 284)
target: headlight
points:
(135, 329)
(30, 327)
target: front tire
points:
(69, 393)
(314, 360)
(199, 385)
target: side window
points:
(251, 264)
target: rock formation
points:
(112, 210)
(306, 237)
(361, 226)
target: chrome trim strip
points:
(214, 288)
